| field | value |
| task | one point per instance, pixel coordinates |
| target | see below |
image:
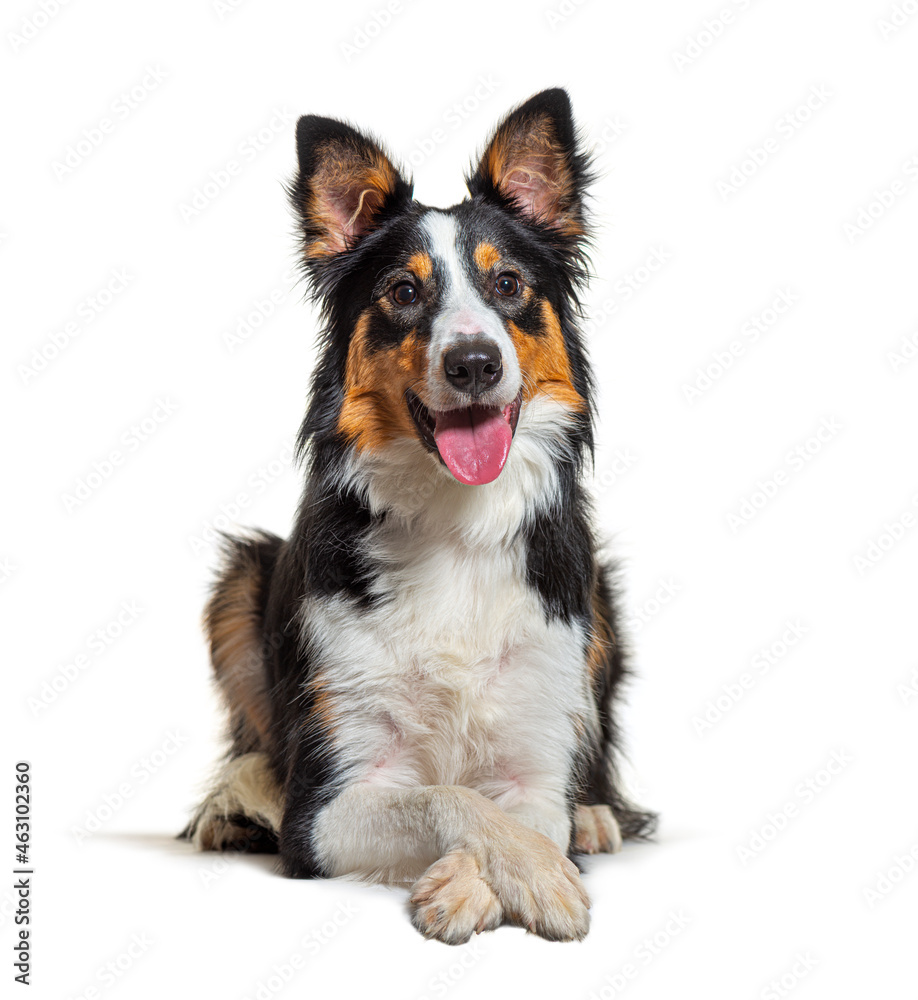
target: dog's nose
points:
(473, 367)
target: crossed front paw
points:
(537, 885)
(451, 901)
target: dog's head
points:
(445, 325)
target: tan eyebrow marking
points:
(421, 265)
(486, 256)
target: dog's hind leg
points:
(242, 811)
(234, 622)
(605, 816)
(596, 830)
(243, 808)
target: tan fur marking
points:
(601, 641)
(544, 362)
(323, 704)
(517, 156)
(421, 265)
(486, 256)
(374, 412)
(233, 626)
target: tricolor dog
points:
(421, 679)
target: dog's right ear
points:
(344, 187)
(535, 165)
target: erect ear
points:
(533, 161)
(344, 185)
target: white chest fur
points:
(455, 676)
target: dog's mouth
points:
(473, 442)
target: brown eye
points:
(507, 284)
(404, 294)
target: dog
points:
(421, 679)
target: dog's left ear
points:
(345, 186)
(534, 163)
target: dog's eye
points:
(404, 293)
(507, 285)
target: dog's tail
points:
(242, 810)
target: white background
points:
(122, 730)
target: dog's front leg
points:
(486, 867)
(548, 815)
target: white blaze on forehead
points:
(462, 312)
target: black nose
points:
(473, 366)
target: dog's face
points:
(445, 324)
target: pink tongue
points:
(474, 443)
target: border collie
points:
(421, 678)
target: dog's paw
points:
(243, 809)
(451, 901)
(538, 887)
(596, 831)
